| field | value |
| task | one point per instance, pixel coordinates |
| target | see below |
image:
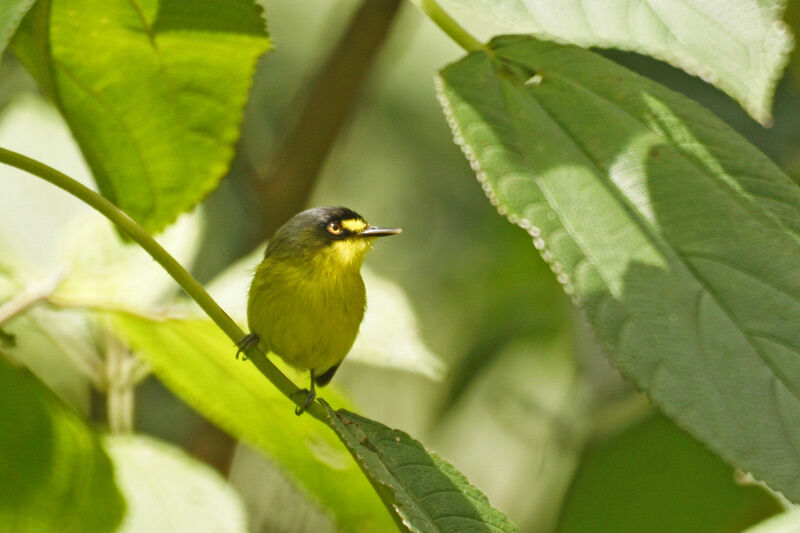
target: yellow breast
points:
(308, 316)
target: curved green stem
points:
(173, 268)
(452, 28)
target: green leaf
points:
(678, 237)
(11, 14)
(196, 361)
(740, 46)
(168, 490)
(54, 474)
(153, 91)
(424, 492)
(671, 483)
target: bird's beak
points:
(374, 231)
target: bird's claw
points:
(310, 396)
(247, 342)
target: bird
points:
(307, 298)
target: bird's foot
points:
(247, 342)
(310, 396)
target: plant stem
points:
(453, 29)
(119, 386)
(173, 268)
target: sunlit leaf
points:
(167, 490)
(678, 237)
(54, 474)
(741, 46)
(153, 91)
(196, 361)
(11, 13)
(424, 492)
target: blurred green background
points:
(529, 409)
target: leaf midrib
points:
(417, 500)
(146, 172)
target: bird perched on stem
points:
(307, 298)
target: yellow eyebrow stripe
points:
(355, 225)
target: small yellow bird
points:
(307, 298)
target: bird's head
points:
(326, 235)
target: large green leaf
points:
(11, 13)
(425, 493)
(196, 361)
(678, 237)
(167, 490)
(656, 478)
(740, 46)
(54, 474)
(153, 91)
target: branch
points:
(326, 104)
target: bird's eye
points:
(334, 228)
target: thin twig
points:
(30, 296)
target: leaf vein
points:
(665, 246)
(114, 115)
(756, 277)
